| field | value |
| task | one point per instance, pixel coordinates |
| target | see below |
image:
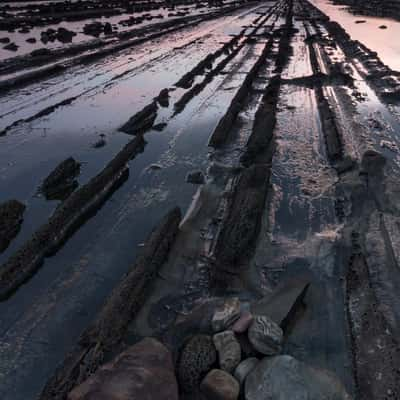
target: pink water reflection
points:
(384, 41)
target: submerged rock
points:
(197, 358)
(11, 213)
(143, 371)
(226, 315)
(195, 177)
(163, 98)
(11, 47)
(61, 181)
(229, 351)
(219, 385)
(285, 378)
(266, 336)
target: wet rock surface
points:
(219, 385)
(196, 359)
(144, 371)
(284, 378)
(229, 351)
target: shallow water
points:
(384, 41)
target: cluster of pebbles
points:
(239, 358)
(221, 370)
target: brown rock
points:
(143, 371)
(219, 385)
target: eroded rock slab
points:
(61, 181)
(143, 371)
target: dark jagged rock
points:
(108, 329)
(197, 358)
(264, 123)
(11, 213)
(4, 40)
(241, 227)
(195, 177)
(61, 182)
(143, 371)
(11, 47)
(163, 98)
(40, 52)
(141, 121)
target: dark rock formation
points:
(61, 181)
(11, 213)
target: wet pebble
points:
(195, 177)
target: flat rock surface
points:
(285, 378)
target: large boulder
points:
(229, 351)
(265, 336)
(197, 358)
(285, 378)
(143, 371)
(219, 385)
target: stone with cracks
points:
(265, 336)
